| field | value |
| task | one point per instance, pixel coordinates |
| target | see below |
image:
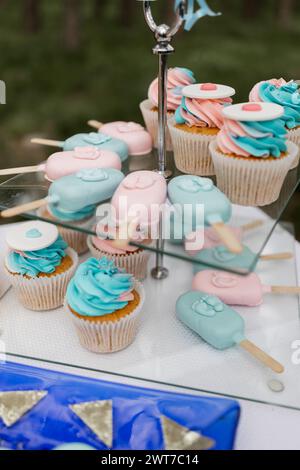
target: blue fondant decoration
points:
(192, 16)
(33, 233)
(136, 412)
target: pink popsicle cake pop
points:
(65, 163)
(138, 140)
(234, 289)
(139, 197)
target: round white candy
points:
(253, 112)
(208, 91)
(31, 236)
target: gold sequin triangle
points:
(177, 437)
(98, 416)
(14, 405)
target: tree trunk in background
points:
(168, 11)
(286, 10)
(99, 8)
(251, 8)
(127, 10)
(72, 24)
(32, 15)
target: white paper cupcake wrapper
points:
(135, 263)
(151, 122)
(248, 182)
(109, 337)
(74, 239)
(45, 293)
(294, 136)
(191, 151)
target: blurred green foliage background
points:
(67, 61)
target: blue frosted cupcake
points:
(39, 265)
(286, 94)
(105, 304)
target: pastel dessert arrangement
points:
(194, 191)
(73, 199)
(234, 289)
(251, 154)
(144, 189)
(177, 79)
(196, 123)
(219, 325)
(39, 265)
(98, 140)
(135, 136)
(105, 304)
(286, 94)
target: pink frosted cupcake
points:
(286, 94)
(125, 256)
(251, 154)
(196, 124)
(178, 78)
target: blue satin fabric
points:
(136, 412)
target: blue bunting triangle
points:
(192, 16)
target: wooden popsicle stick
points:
(95, 124)
(290, 290)
(29, 206)
(228, 237)
(262, 356)
(252, 225)
(276, 256)
(20, 170)
(48, 142)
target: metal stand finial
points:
(163, 35)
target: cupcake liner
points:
(294, 136)
(74, 239)
(44, 293)
(109, 337)
(135, 263)
(251, 182)
(191, 151)
(151, 122)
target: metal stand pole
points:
(163, 35)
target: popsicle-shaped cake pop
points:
(93, 139)
(139, 141)
(65, 163)
(234, 289)
(194, 191)
(218, 325)
(139, 198)
(195, 241)
(221, 258)
(75, 195)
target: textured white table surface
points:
(261, 426)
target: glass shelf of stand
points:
(29, 187)
(165, 351)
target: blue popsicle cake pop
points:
(218, 325)
(193, 191)
(92, 139)
(76, 196)
(221, 258)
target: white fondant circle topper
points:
(208, 91)
(31, 236)
(253, 112)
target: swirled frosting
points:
(201, 113)
(99, 288)
(33, 263)
(178, 78)
(258, 139)
(283, 93)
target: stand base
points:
(160, 273)
(166, 173)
